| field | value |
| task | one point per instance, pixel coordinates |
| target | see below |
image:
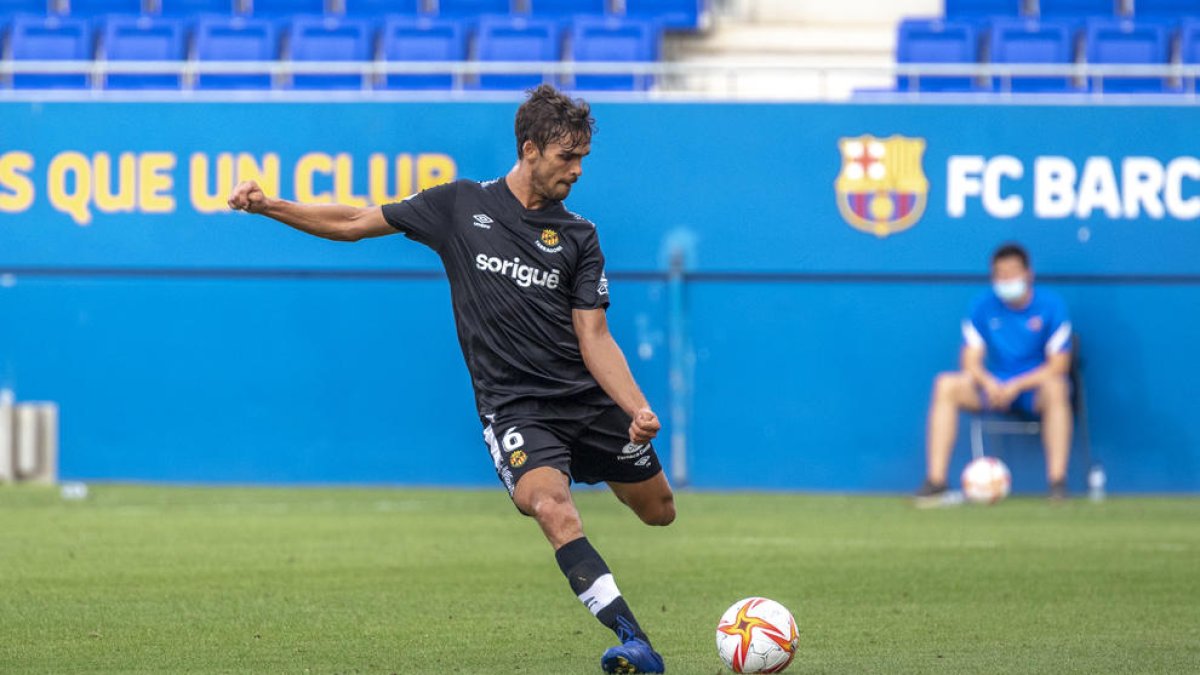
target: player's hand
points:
(645, 426)
(993, 393)
(1004, 399)
(248, 196)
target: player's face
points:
(556, 169)
(1009, 269)
(1011, 279)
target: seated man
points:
(1016, 357)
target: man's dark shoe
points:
(932, 495)
(1058, 491)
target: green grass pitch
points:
(272, 580)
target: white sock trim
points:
(600, 594)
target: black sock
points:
(593, 583)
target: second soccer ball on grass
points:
(986, 480)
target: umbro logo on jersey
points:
(482, 220)
(602, 285)
(524, 275)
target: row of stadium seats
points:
(671, 14)
(956, 9)
(1065, 42)
(395, 39)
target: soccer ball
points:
(986, 481)
(757, 635)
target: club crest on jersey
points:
(517, 459)
(549, 242)
(882, 188)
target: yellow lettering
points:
(204, 201)
(309, 164)
(155, 182)
(265, 174)
(434, 169)
(16, 189)
(377, 175)
(343, 182)
(125, 197)
(75, 202)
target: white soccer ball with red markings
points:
(757, 635)
(986, 481)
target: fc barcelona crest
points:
(882, 188)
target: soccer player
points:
(1016, 357)
(554, 393)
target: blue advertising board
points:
(831, 252)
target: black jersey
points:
(515, 275)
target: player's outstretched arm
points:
(330, 221)
(606, 363)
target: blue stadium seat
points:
(97, 8)
(382, 7)
(36, 38)
(612, 39)
(329, 39)
(1032, 41)
(128, 38)
(235, 39)
(1078, 8)
(1189, 49)
(198, 7)
(564, 9)
(681, 15)
(937, 41)
(1124, 42)
(960, 9)
(286, 8)
(11, 7)
(516, 39)
(1166, 9)
(473, 8)
(1189, 41)
(405, 39)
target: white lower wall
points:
(835, 11)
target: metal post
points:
(6, 435)
(678, 371)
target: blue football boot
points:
(632, 656)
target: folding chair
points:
(990, 423)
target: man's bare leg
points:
(544, 494)
(651, 499)
(1053, 401)
(952, 393)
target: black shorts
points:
(589, 443)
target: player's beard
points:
(550, 187)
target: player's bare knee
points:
(552, 506)
(661, 515)
(946, 386)
(1055, 392)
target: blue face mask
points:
(1011, 290)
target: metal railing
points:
(725, 80)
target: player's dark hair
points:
(1011, 250)
(548, 116)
